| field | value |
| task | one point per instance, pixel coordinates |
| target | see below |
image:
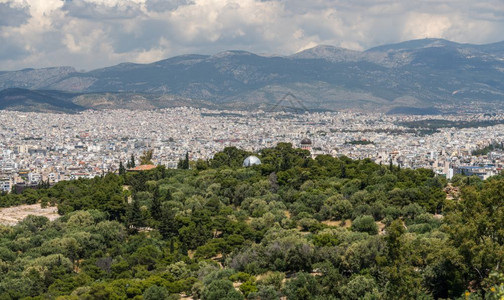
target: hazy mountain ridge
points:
(426, 72)
(34, 78)
(67, 102)
(40, 101)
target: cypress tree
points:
(186, 161)
(122, 169)
(156, 205)
(132, 161)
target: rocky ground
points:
(12, 215)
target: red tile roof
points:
(143, 168)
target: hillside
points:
(293, 226)
(38, 101)
(420, 73)
(70, 102)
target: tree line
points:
(293, 226)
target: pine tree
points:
(155, 208)
(135, 218)
(168, 226)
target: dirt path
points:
(12, 215)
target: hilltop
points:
(414, 74)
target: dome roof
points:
(306, 141)
(251, 161)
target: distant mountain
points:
(38, 101)
(418, 74)
(67, 102)
(331, 53)
(34, 78)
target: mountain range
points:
(423, 75)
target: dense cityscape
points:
(251, 150)
(44, 147)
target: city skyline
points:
(92, 143)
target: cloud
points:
(11, 51)
(12, 15)
(95, 33)
(102, 10)
(164, 5)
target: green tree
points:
(135, 217)
(303, 287)
(132, 161)
(229, 157)
(168, 226)
(221, 290)
(403, 282)
(365, 224)
(360, 287)
(155, 292)
(116, 207)
(155, 208)
(122, 169)
(265, 292)
(201, 165)
(184, 163)
(476, 228)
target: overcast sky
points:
(89, 34)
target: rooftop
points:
(142, 168)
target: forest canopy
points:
(293, 226)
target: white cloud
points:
(426, 26)
(94, 33)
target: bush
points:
(365, 224)
(303, 287)
(221, 290)
(156, 293)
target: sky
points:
(90, 34)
